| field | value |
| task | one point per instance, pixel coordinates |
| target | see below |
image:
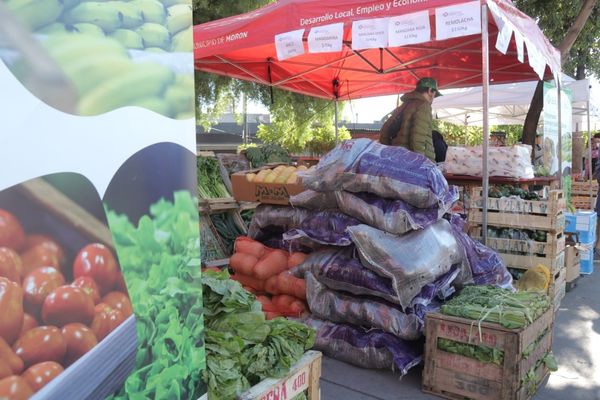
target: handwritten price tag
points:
(289, 388)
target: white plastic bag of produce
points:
(393, 172)
(507, 161)
(411, 260)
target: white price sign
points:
(324, 39)
(370, 33)
(409, 29)
(289, 44)
(456, 21)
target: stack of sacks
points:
(509, 161)
(264, 272)
(386, 258)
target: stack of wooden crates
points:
(542, 215)
(580, 195)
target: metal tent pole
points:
(589, 158)
(559, 151)
(336, 122)
(485, 67)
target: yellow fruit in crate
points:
(292, 179)
(250, 177)
(270, 178)
(261, 175)
(285, 174)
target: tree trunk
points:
(537, 102)
(580, 74)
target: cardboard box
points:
(270, 193)
(572, 262)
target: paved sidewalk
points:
(576, 347)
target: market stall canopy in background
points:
(348, 49)
(510, 102)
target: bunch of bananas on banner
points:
(138, 24)
(92, 42)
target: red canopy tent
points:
(245, 47)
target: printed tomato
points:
(46, 242)
(68, 304)
(11, 310)
(15, 388)
(8, 355)
(80, 339)
(119, 301)
(89, 286)
(120, 285)
(44, 343)
(11, 231)
(11, 266)
(97, 261)
(5, 369)
(37, 285)
(39, 256)
(38, 375)
(106, 320)
(29, 322)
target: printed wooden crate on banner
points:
(455, 376)
(304, 376)
(554, 244)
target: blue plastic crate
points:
(583, 223)
(587, 258)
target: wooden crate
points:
(552, 222)
(583, 202)
(454, 376)
(213, 206)
(554, 244)
(553, 205)
(305, 375)
(554, 264)
(572, 263)
(558, 288)
(583, 187)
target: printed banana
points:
(156, 104)
(145, 80)
(69, 48)
(184, 80)
(152, 10)
(105, 15)
(35, 14)
(53, 28)
(68, 4)
(181, 98)
(179, 17)
(86, 28)
(169, 3)
(129, 38)
(90, 72)
(155, 35)
(132, 15)
(183, 41)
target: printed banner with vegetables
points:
(100, 287)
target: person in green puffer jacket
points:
(410, 124)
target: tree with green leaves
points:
(574, 27)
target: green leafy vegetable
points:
(265, 154)
(227, 228)
(242, 347)
(210, 184)
(478, 352)
(496, 305)
(160, 261)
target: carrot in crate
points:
(271, 285)
(295, 259)
(267, 304)
(244, 244)
(243, 263)
(289, 284)
(250, 281)
(271, 264)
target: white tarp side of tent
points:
(509, 104)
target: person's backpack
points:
(391, 127)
